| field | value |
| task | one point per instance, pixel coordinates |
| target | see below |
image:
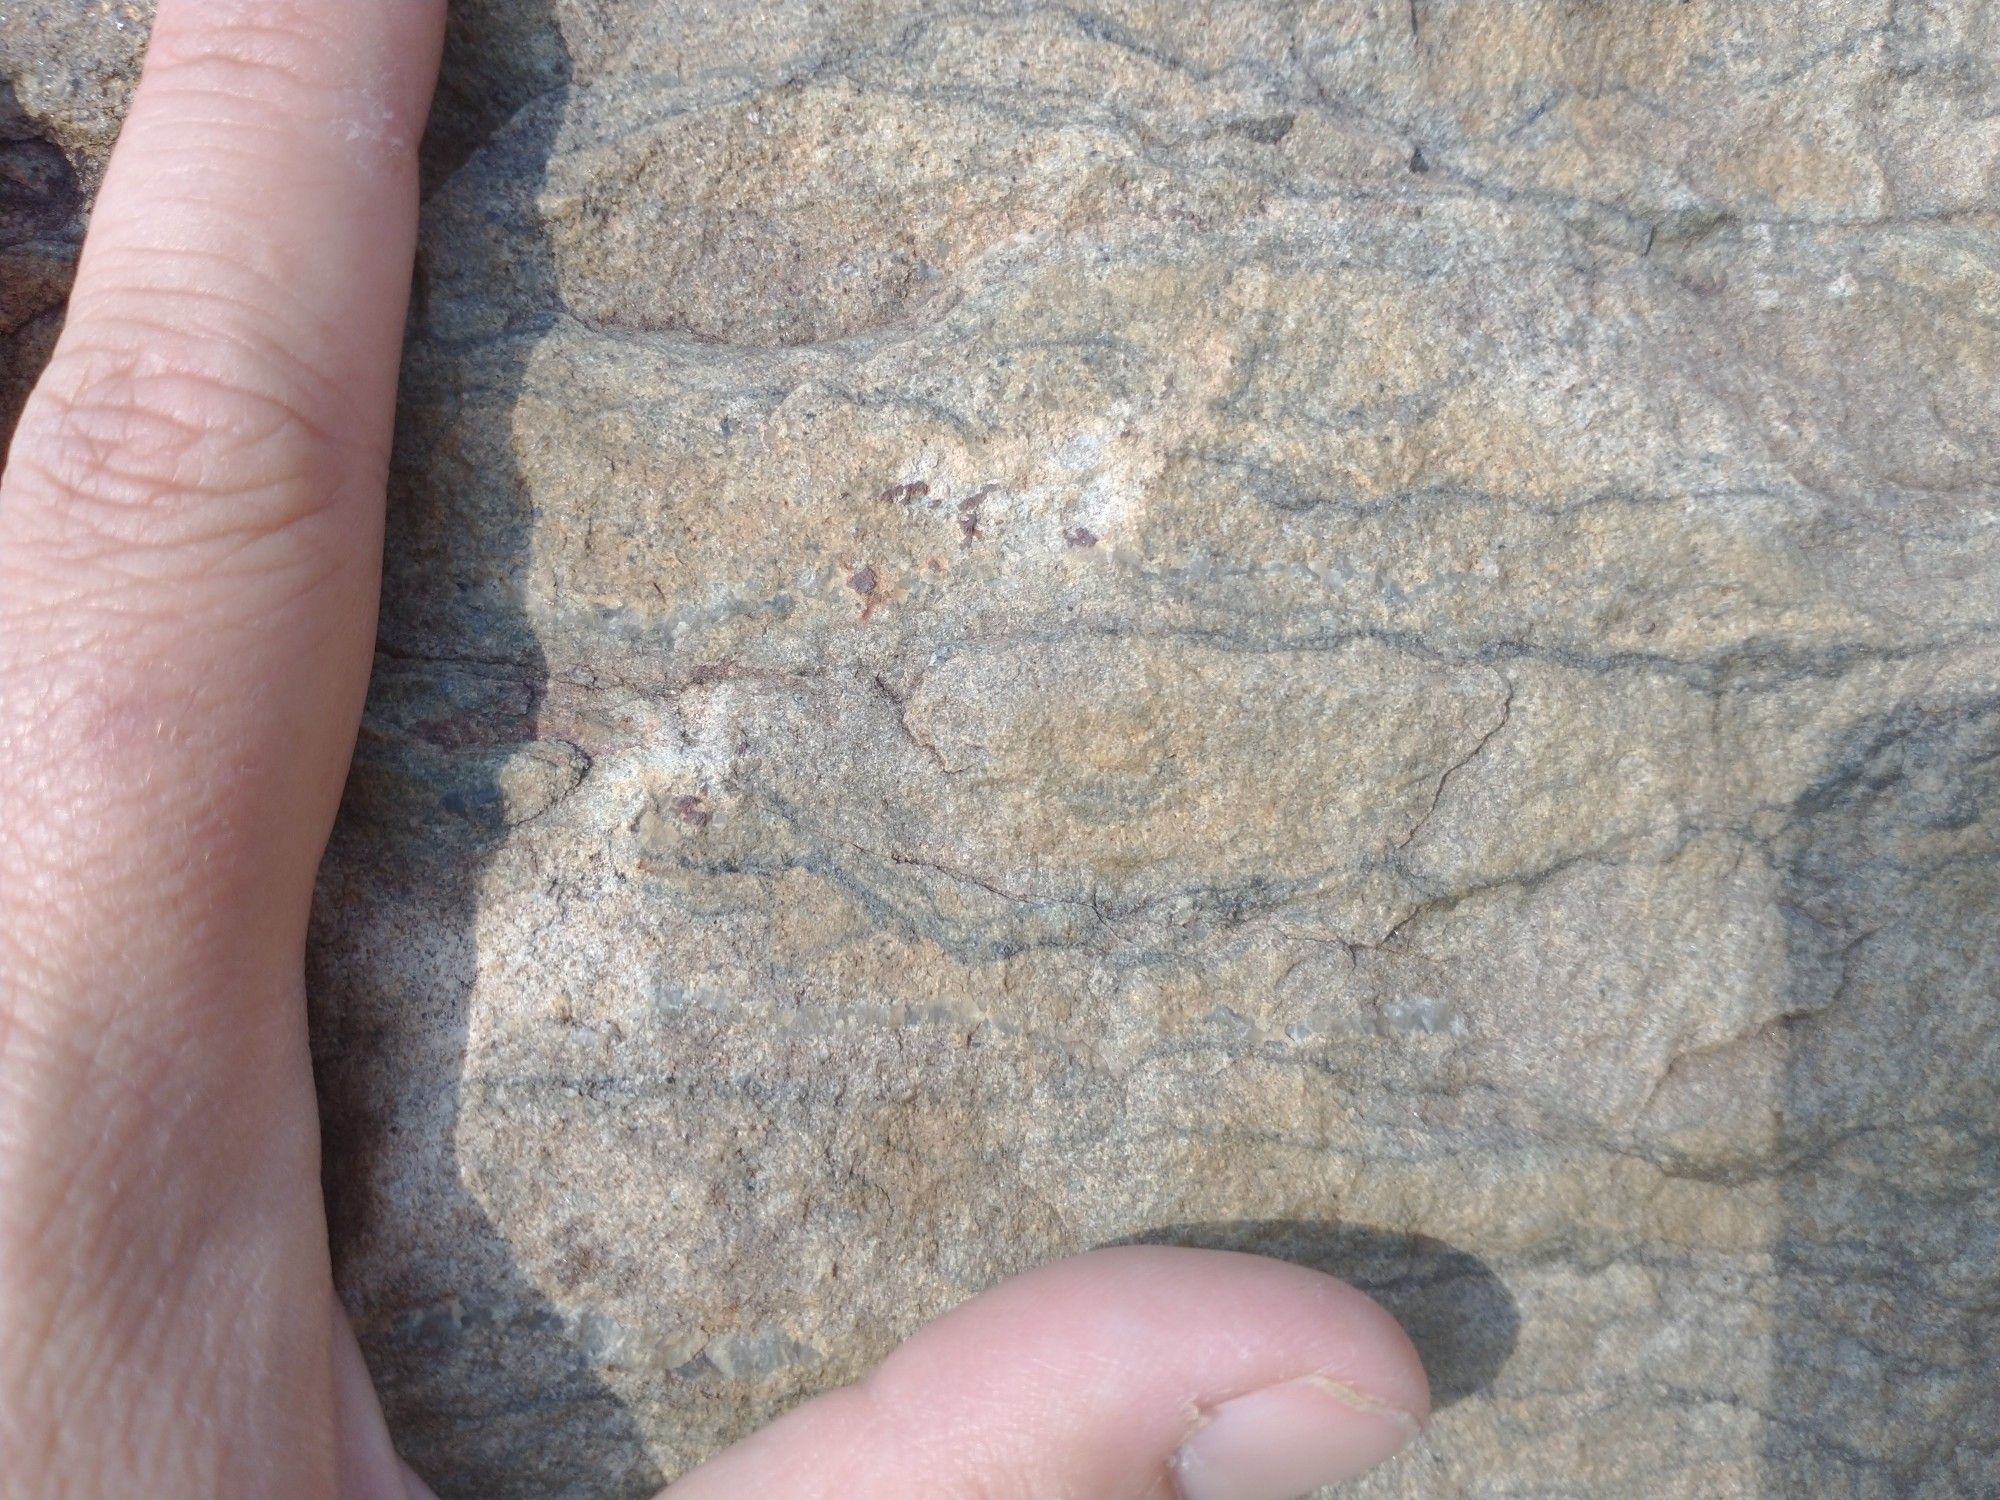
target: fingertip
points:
(1309, 1381)
(1291, 1316)
(1206, 1374)
(1287, 1439)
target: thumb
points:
(1133, 1374)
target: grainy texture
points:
(1366, 630)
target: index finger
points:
(190, 521)
(190, 529)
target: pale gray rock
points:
(1365, 630)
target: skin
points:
(190, 541)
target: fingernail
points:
(1288, 1440)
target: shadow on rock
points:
(1456, 1311)
(41, 230)
(489, 1388)
(1885, 1378)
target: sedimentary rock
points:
(1364, 630)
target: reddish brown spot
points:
(1079, 536)
(905, 494)
(968, 512)
(864, 582)
(693, 811)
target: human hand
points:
(190, 537)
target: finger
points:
(189, 536)
(369, 1467)
(1136, 1374)
(190, 520)
(189, 530)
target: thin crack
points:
(1437, 792)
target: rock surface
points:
(1367, 630)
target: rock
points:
(1366, 631)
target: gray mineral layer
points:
(1363, 630)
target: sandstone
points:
(1370, 631)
